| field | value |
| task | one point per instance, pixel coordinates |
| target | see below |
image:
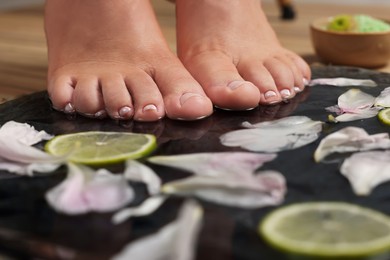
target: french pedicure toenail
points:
(270, 94)
(285, 93)
(186, 96)
(100, 114)
(297, 90)
(149, 107)
(305, 81)
(125, 112)
(69, 109)
(238, 83)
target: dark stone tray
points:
(30, 229)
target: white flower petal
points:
(215, 164)
(274, 136)
(354, 105)
(343, 82)
(383, 100)
(175, 241)
(355, 99)
(350, 139)
(85, 190)
(147, 207)
(267, 188)
(23, 132)
(366, 170)
(136, 171)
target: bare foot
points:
(232, 51)
(110, 58)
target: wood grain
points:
(23, 60)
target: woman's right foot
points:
(109, 58)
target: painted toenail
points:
(297, 90)
(305, 81)
(124, 112)
(100, 114)
(149, 107)
(238, 83)
(270, 94)
(69, 109)
(186, 96)
(285, 93)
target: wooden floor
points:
(23, 61)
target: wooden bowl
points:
(368, 50)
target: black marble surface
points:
(29, 229)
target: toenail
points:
(238, 83)
(270, 94)
(305, 81)
(149, 107)
(100, 114)
(297, 90)
(124, 112)
(285, 93)
(186, 96)
(69, 109)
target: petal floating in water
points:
(85, 190)
(366, 170)
(175, 241)
(343, 82)
(350, 139)
(273, 136)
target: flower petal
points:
(343, 82)
(383, 100)
(23, 132)
(175, 241)
(136, 171)
(147, 207)
(215, 164)
(85, 190)
(366, 170)
(267, 188)
(274, 136)
(350, 139)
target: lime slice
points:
(384, 116)
(327, 230)
(342, 23)
(98, 148)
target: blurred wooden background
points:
(23, 61)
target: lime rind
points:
(87, 155)
(314, 250)
(384, 116)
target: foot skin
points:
(231, 50)
(109, 58)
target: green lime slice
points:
(342, 23)
(384, 116)
(99, 148)
(327, 230)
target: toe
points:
(282, 76)
(116, 97)
(60, 90)
(87, 97)
(255, 72)
(147, 99)
(222, 83)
